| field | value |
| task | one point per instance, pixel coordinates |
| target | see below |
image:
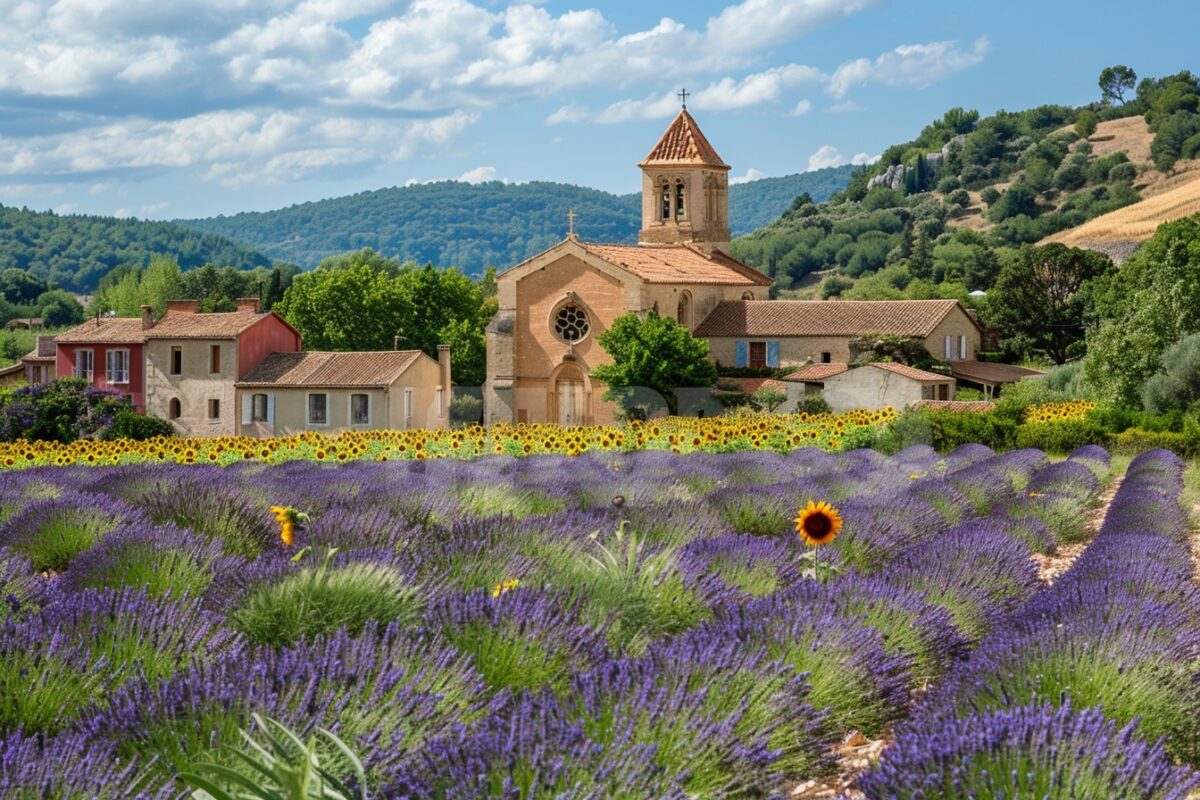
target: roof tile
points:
(678, 264)
(684, 143)
(824, 317)
(331, 370)
(989, 372)
(105, 330)
(911, 372)
(817, 372)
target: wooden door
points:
(570, 402)
(758, 355)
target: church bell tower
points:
(685, 189)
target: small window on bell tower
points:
(680, 212)
(666, 201)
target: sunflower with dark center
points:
(818, 523)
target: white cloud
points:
(478, 175)
(860, 159)
(153, 209)
(847, 107)
(752, 174)
(826, 156)
(755, 24)
(917, 65)
(571, 113)
(802, 108)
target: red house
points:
(107, 352)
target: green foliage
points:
(475, 226)
(769, 399)
(127, 288)
(170, 571)
(1137, 440)
(651, 352)
(1177, 386)
(1176, 137)
(63, 535)
(285, 768)
(316, 601)
(945, 430)
(1149, 304)
(1085, 123)
(361, 301)
(1042, 297)
(76, 251)
(60, 411)
(1115, 81)
(466, 409)
(1061, 437)
(129, 424)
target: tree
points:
(59, 308)
(20, 287)
(1042, 297)
(920, 263)
(768, 399)
(1115, 81)
(1177, 386)
(1142, 309)
(1085, 123)
(652, 352)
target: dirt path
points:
(857, 753)
(1050, 567)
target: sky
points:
(168, 109)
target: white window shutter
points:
(247, 409)
(271, 409)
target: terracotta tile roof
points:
(817, 372)
(684, 143)
(987, 372)
(32, 355)
(981, 406)
(11, 369)
(106, 330)
(825, 317)
(217, 325)
(752, 385)
(331, 370)
(678, 263)
(911, 373)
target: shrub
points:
(60, 411)
(1136, 441)
(466, 409)
(1125, 173)
(1085, 123)
(812, 404)
(129, 424)
(318, 601)
(1061, 437)
(1177, 386)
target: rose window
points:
(571, 323)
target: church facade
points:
(542, 344)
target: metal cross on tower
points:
(683, 96)
(571, 222)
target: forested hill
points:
(76, 251)
(474, 226)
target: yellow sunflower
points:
(818, 523)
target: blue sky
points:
(179, 108)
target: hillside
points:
(473, 226)
(76, 251)
(939, 215)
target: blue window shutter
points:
(773, 353)
(742, 357)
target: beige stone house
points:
(193, 361)
(542, 344)
(292, 393)
(37, 366)
(875, 385)
(791, 333)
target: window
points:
(571, 323)
(176, 360)
(83, 364)
(441, 399)
(318, 409)
(117, 366)
(360, 409)
(758, 355)
(679, 207)
(666, 201)
(949, 347)
(408, 408)
(258, 408)
(747, 295)
(214, 358)
(214, 410)
(174, 408)
(962, 347)
(826, 358)
(684, 313)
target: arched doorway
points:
(684, 313)
(570, 396)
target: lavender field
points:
(643, 625)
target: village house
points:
(332, 392)
(792, 333)
(874, 385)
(542, 343)
(37, 366)
(181, 367)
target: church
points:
(542, 344)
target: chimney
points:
(396, 342)
(444, 363)
(147, 317)
(183, 306)
(247, 304)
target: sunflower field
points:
(779, 433)
(624, 622)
